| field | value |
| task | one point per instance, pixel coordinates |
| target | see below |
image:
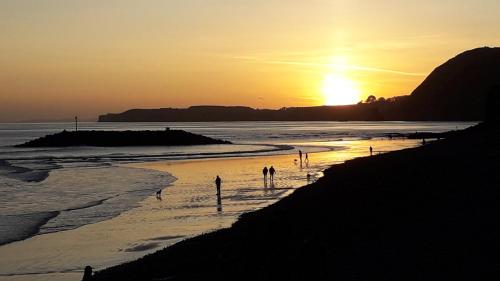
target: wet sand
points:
(428, 213)
(188, 208)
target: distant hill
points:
(456, 90)
(232, 113)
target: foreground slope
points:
(428, 213)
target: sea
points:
(50, 190)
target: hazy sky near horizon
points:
(85, 57)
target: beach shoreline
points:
(242, 192)
(94, 242)
(286, 241)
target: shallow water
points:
(188, 207)
(97, 206)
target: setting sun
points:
(338, 90)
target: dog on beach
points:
(158, 194)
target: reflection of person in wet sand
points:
(272, 171)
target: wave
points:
(141, 157)
(37, 168)
(39, 171)
(87, 205)
(26, 225)
(77, 197)
(46, 229)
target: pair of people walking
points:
(271, 171)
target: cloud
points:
(314, 64)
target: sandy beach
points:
(188, 208)
(372, 218)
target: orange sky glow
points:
(87, 57)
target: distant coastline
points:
(457, 90)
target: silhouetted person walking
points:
(272, 171)
(300, 155)
(307, 157)
(264, 172)
(218, 183)
(371, 151)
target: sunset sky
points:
(86, 57)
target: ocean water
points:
(47, 190)
(54, 190)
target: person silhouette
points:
(264, 171)
(218, 182)
(87, 273)
(272, 171)
(307, 157)
(371, 151)
(300, 155)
